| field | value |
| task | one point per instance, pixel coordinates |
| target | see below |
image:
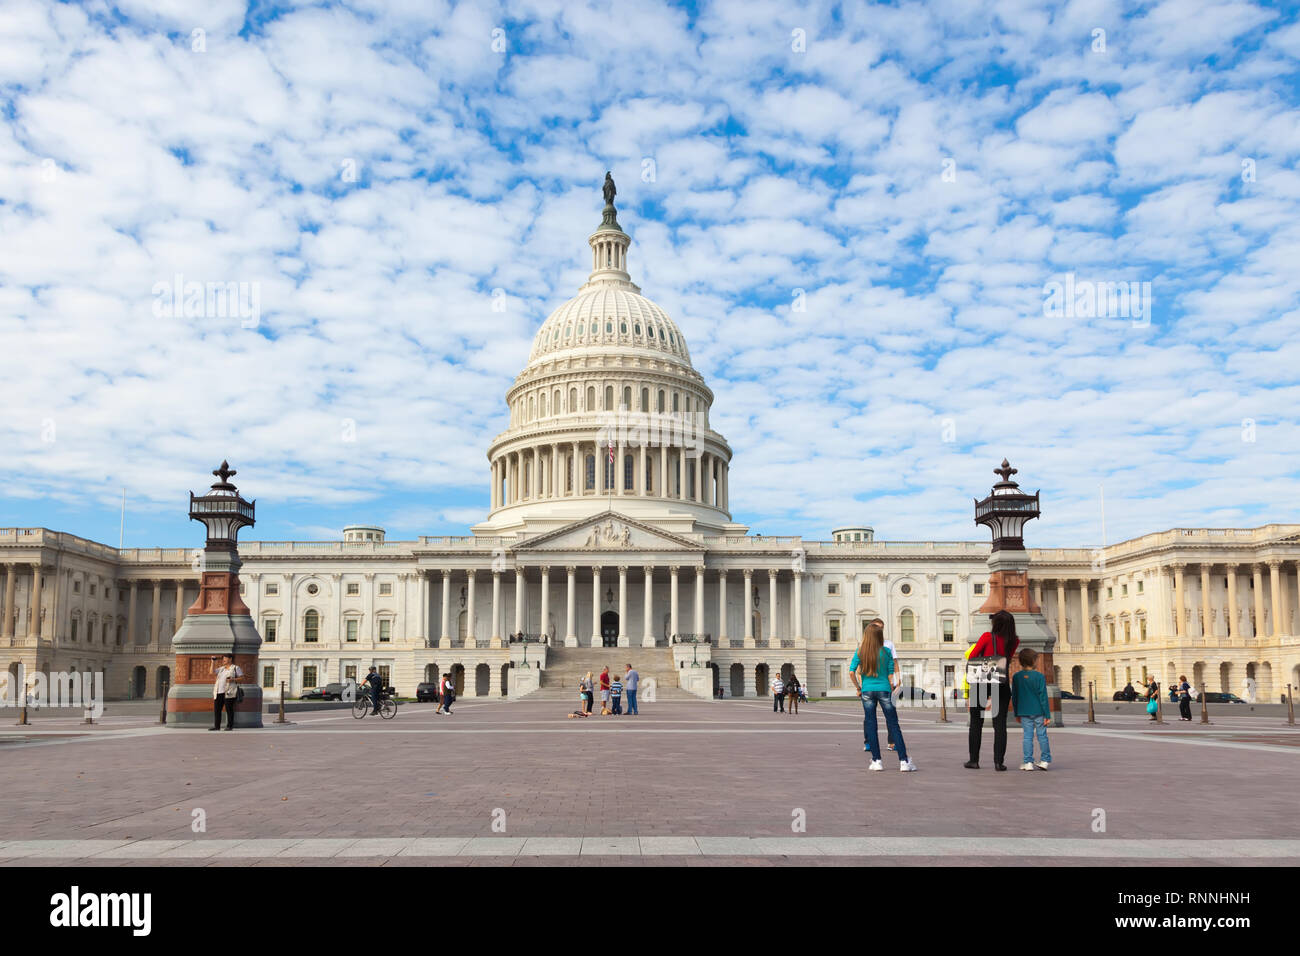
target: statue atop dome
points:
(609, 217)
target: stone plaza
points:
(686, 782)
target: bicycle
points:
(363, 706)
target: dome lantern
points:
(609, 242)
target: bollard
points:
(89, 719)
(1092, 718)
(162, 712)
(1205, 712)
(1290, 707)
(22, 712)
(943, 705)
(280, 719)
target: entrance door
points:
(609, 629)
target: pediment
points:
(609, 532)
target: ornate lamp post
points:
(218, 622)
(1005, 511)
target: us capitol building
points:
(609, 539)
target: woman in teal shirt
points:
(876, 663)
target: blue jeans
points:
(870, 698)
(631, 702)
(1038, 725)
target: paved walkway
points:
(687, 782)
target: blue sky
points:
(921, 172)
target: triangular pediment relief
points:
(609, 531)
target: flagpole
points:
(121, 528)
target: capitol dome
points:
(609, 414)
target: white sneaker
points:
(1043, 765)
(907, 766)
(876, 765)
(1026, 766)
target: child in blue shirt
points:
(1029, 700)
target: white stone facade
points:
(576, 551)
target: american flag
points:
(611, 451)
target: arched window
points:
(609, 397)
(661, 399)
(906, 627)
(543, 404)
(627, 396)
(645, 399)
(532, 408)
(311, 627)
(591, 398)
(555, 403)
(573, 400)
(677, 402)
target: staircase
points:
(565, 666)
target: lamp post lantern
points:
(219, 621)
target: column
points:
(698, 484)
(495, 630)
(595, 604)
(1060, 613)
(706, 481)
(681, 473)
(963, 606)
(663, 470)
(571, 623)
(130, 617)
(557, 479)
(157, 613)
(618, 482)
(471, 634)
(444, 624)
(648, 627)
(495, 485)
(34, 604)
(575, 468)
(622, 606)
(1207, 629)
(423, 622)
(798, 608)
(180, 605)
(1086, 628)
(1234, 613)
(521, 586)
(672, 606)
(1258, 571)
(1284, 602)
(10, 576)
(744, 607)
(772, 639)
(699, 602)
(1180, 619)
(723, 641)
(545, 627)
(537, 473)
(639, 483)
(1275, 591)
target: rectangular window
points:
(832, 588)
(835, 632)
(385, 589)
(1110, 593)
(383, 673)
(272, 588)
(945, 588)
(1112, 678)
(76, 587)
(350, 673)
(353, 589)
(1128, 635)
(385, 631)
(1112, 632)
(979, 589)
(352, 624)
(949, 675)
(75, 622)
(864, 588)
(269, 628)
(308, 677)
(1123, 590)
(1142, 629)
(268, 676)
(591, 473)
(92, 590)
(835, 677)
(1139, 587)
(949, 629)
(628, 472)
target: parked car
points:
(314, 694)
(1218, 697)
(1070, 695)
(337, 691)
(426, 692)
(912, 692)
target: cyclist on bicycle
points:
(376, 687)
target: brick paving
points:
(697, 771)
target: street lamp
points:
(1006, 510)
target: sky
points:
(862, 218)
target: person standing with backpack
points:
(778, 694)
(792, 689)
(987, 668)
(1184, 698)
